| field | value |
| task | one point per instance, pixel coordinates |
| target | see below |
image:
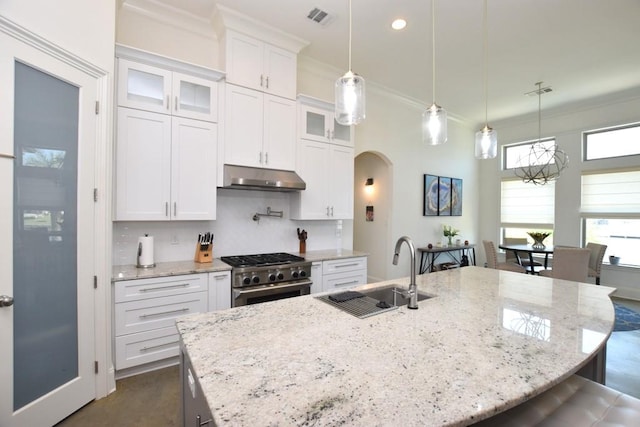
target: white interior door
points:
(47, 142)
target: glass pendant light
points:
(486, 138)
(434, 118)
(349, 93)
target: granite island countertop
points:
(488, 340)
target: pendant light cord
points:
(350, 36)
(486, 61)
(433, 49)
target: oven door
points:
(258, 294)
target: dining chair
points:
(595, 260)
(569, 264)
(521, 258)
(492, 259)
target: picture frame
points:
(430, 195)
(456, 197)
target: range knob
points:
(280, 275)
(246, 280)
(295, 274)
(303, 273)
(255, 279)
(272, 277)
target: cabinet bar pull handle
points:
(168, 102)
(162, 288)
(166, 208)
(151, 347)
(180, 310)
(327, 210)
(328, 134)
(176, 103)
(261, 80)
(175, 208)
(345, 265)
(267, 82)
(346, 283)
(331, 210)
(266, 158)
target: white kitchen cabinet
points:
(316, 122)
(258, 65)
(219, 290)
(165, 167)
(344, 273)
(144, 316)
(327, 169)
(316, 277)
(260, 129)
(160, 90)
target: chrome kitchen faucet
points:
(412, 293)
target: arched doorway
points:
(372, 211)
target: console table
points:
(428, 256)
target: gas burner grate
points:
(261, 259)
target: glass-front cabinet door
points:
(317, 122)
(144, 87)
(149, 88)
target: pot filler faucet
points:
(412, 293)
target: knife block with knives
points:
(204, 248)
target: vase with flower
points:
(450, 233)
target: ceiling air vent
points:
(319, 16)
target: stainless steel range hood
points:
(244, 177)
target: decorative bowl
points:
(538, 238)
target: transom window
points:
(613, 142)
(518, 154)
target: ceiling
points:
(583, 49)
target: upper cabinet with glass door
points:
(317, 122)
(162, 89)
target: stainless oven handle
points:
(298, 284)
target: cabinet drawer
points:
(344, 281)
(346, 264)
(154, 313)
(145, 347)
(133, 290)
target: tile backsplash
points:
(235, 231)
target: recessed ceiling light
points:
(398, 24)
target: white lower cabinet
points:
(316, 277)
(219, 290)
(145, 312)
(344, 273)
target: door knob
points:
(5, 301)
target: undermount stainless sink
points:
(393, 295)
(370, 302)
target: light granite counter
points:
(163, 269)
(487, 341)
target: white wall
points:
(567, 126)
(84, 28)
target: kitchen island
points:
(488, 340)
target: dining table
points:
(517, 249)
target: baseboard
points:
(147, 367)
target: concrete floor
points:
(153, 399)
(145, 400)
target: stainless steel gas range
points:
(267, 277)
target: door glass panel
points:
(195, 97)
(145, 87)
(315, 123)
(44, 234)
